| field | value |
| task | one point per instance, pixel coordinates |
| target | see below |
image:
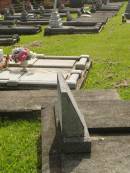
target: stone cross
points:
(55, 5)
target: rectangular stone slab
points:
(39, 97)
(55, 63)
(41, 76)
(35, 76)
(73, 30)
(10, 74)
(106, 114)
(109, 154)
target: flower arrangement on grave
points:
(21, 55)
(4, 62)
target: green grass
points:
(18, 146)
(110, 52)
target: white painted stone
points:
(40, 76)
(72, 81)
(84, 56)
(12, 74)
(55, 63)
(81, 63)
(77, 72)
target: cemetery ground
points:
(110, 52)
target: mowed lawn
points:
(110, 53)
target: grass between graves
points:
(110, 52)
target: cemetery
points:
(64, 93)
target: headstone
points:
(6, 13)
(98, 4)
(24, 15)
(42, 10)
(12, 10)
(68, 16)
(55, 20)
(74, 131)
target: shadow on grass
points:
(39, 155)
(7, 118)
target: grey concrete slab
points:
(29, 98)
(40, 76)
(106, 114)
(109, 154)
(55, 63)
(99, 16)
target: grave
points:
(42, 72)
(101, 5)
(127, 11)
(59, 28)
(36, 99)
(92, 23)
(9, 39)
(109, 127)
(23, 29)
(70, 121)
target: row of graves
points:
(126, 15)
(29, 22)
(82, 131)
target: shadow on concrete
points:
(22, 115)
(57, 158)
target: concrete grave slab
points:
(39, 97)
(55, 63)
(106, 153)
(109, 154)
(106, 115)
(41, 76)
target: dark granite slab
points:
(74, 29)
(19, 29)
